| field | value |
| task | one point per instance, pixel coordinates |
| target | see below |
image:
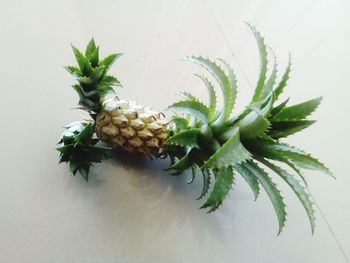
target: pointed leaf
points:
(212, 96)
(187, 95)
(271, 80)
(268, 149)
(259, 90)
(180, 123)
(192, 108)
(182, 164)
(253, 124)
(109, 60)
(298, 189)
(73, 70)
(206, 183)
(83, 62)
(301, 158)
(90, 47)
(298, 111)
(223, 183)
(249, 177)
(94, 57)
(229, 154)
(283, 83)
(219, 74)
(278, 108)
(271, 190)
(233, 82)
(184, 138)
(280, 129)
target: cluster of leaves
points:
(220, 146)
(79, 148)
(93, 81)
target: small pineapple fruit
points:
(132, 127)
(215, 140)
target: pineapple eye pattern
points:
(203, 138)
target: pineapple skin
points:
(127, 125)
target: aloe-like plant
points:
(204, 138)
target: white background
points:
(131, 210)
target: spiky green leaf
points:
(281, 129)
(249, 177)
(271, 80)
(90, 47)
(229, 154)
(278, 108)
(283, 82)
(83, 62)
(233, 82)
(186, 138)
(253, 124)
(182, 164)
(260, 86)
(109, 60)
(271, 190)
(180, 123)
(223, 183)
(187, 95)
(267, 149)
(299, 111)
(300, 158)
(193, 108)
(206, 183)
(212, 96)
(94, 57)
(219, 74)
(298, 189)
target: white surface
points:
(131, 210)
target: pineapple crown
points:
(220, 146)
(93, 81)
(79, 148)
(203, 138)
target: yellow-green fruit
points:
(132, 127)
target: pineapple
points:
(218, 143)
(132, 127)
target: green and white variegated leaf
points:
(230, 153)
(233, 81)
(180, 123)
(219, 74)
(282, 129)
(193, 108)
(212, 96)
(253, 124)
(186, 138)
(271, 190)
(299, 190)
(268, 89)
(300, 158)
(223, 182)
(260, 87)
(299, 111)
(187, 95)
(249, 177)
(283, 82)
(206, 183)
